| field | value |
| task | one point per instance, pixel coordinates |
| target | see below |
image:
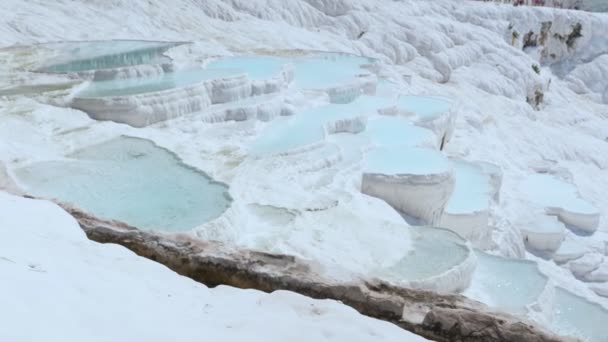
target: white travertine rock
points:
(6, 181)
(586, 264)
(569, 250)
(600, 289)
(415, 181)
(467, 211)
(561, 199)
(543, 233)
(142, 70)
(263, 108)
(600, 274)
(145, 109)
(495, 173)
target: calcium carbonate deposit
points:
(452, 146)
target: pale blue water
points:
(426, 107)
(511, 284)
(327, 70)
(131, 180)
(256, 67)
(396, 131)
(549, 191)
(434, 251)
(307, 127)
(471, 189)
(286, 134)
(132, 86)
(595, 5)
(573, 315)
(92, 55)
(397, 160)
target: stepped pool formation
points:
(544, 233)
(576, 316)
(439, 260)
(562, 200)
(82, 57)
(341, 76)
(326, 160)
(509, 284)
(131, 180)
(467, 210)
(256, 67)
(415, 181)
(142, 101)
(311, 126)
(398, 131)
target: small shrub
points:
(536, 68)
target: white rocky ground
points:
(56, 285)
(468, 51)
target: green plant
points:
(536, 68)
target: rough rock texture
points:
(435, 316)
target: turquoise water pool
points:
(426, 107)
(396, 160)
(574, 315)
(256, 67)
(324, 70)
(434, 251)
(472, 189)
(93, 55)
(509, 284)
(131, 180)
(133, 86)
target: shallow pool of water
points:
(434, 251)
(508, 284)
(425, 107)
(319, 71)
(396, 160)
(548, 191)
(256, 67)
(92, 55)
(133, 86)
(472, 189)
(574, 315)
(397, 131)
(308, 126)
(131, 180)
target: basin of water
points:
(425, 107)
(320, 71)
(396, 160)
(549, 191)
(256, 67)
(309, 126)
(508, 284)
(131, 180)
(472, 189)
(134, 86)
(92, 55)
(397, 131)
(434, 251)
(285, 134)
(576, 316)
